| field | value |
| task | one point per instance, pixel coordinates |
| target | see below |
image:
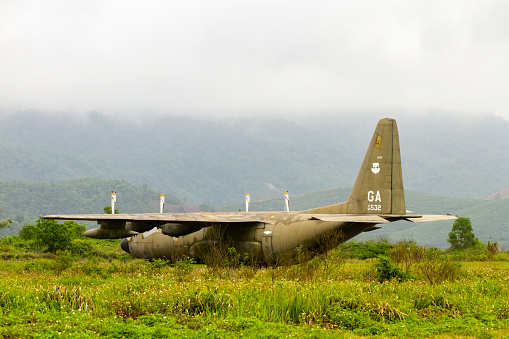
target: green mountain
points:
(216, 161)
(24, 202)
(490, 218)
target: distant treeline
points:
(24, 202)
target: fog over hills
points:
(217, 161)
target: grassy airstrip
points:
(105, 293)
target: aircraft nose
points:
(124, 245)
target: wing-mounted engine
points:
(118, 229)
(109, 233)
(111, 229)
(180, 229)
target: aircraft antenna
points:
(161, 204)
(248, 200)
(113, 201)
(287, 202)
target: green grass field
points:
(111, 295)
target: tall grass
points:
(37, 294)
(117, 296)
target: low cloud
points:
(270, 57)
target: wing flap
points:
(219, 217)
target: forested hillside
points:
(217, 161)
(24, 202)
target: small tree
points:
(51, 234)
(107, 210)
(462, 235)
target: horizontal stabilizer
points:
(426, 218)
(365, 218)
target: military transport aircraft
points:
(377, 198)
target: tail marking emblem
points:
(376, 167)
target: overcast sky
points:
(250, 57)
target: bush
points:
(10, 246)
(63, 261)
(501, 256)
(492, 247)
(386, 270)
(478, 252)
(406, 253)
(82, 248)
(436, 271)
(366, 250)
(10, 240)
(52, 235)
(28, 232)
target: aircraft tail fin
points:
(378, 188)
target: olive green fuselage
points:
(274, 240)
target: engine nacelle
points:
(180, 229)
(109, 233)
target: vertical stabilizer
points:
(378, 188)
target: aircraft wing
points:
(210, 217)
(218, 217)
(242, 217)
(115, 226)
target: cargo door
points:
(268, 252)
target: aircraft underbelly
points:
(268, 243)
(155, 244)
(287, 237)
(351, 230)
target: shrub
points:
(63, 261)
(366, 250)
(492, 247)
(82, 248)
(406, 253)
(501, 256)
(386, 270)
(52, 235)
(478, 252)
(28, 232)
(436, 271)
